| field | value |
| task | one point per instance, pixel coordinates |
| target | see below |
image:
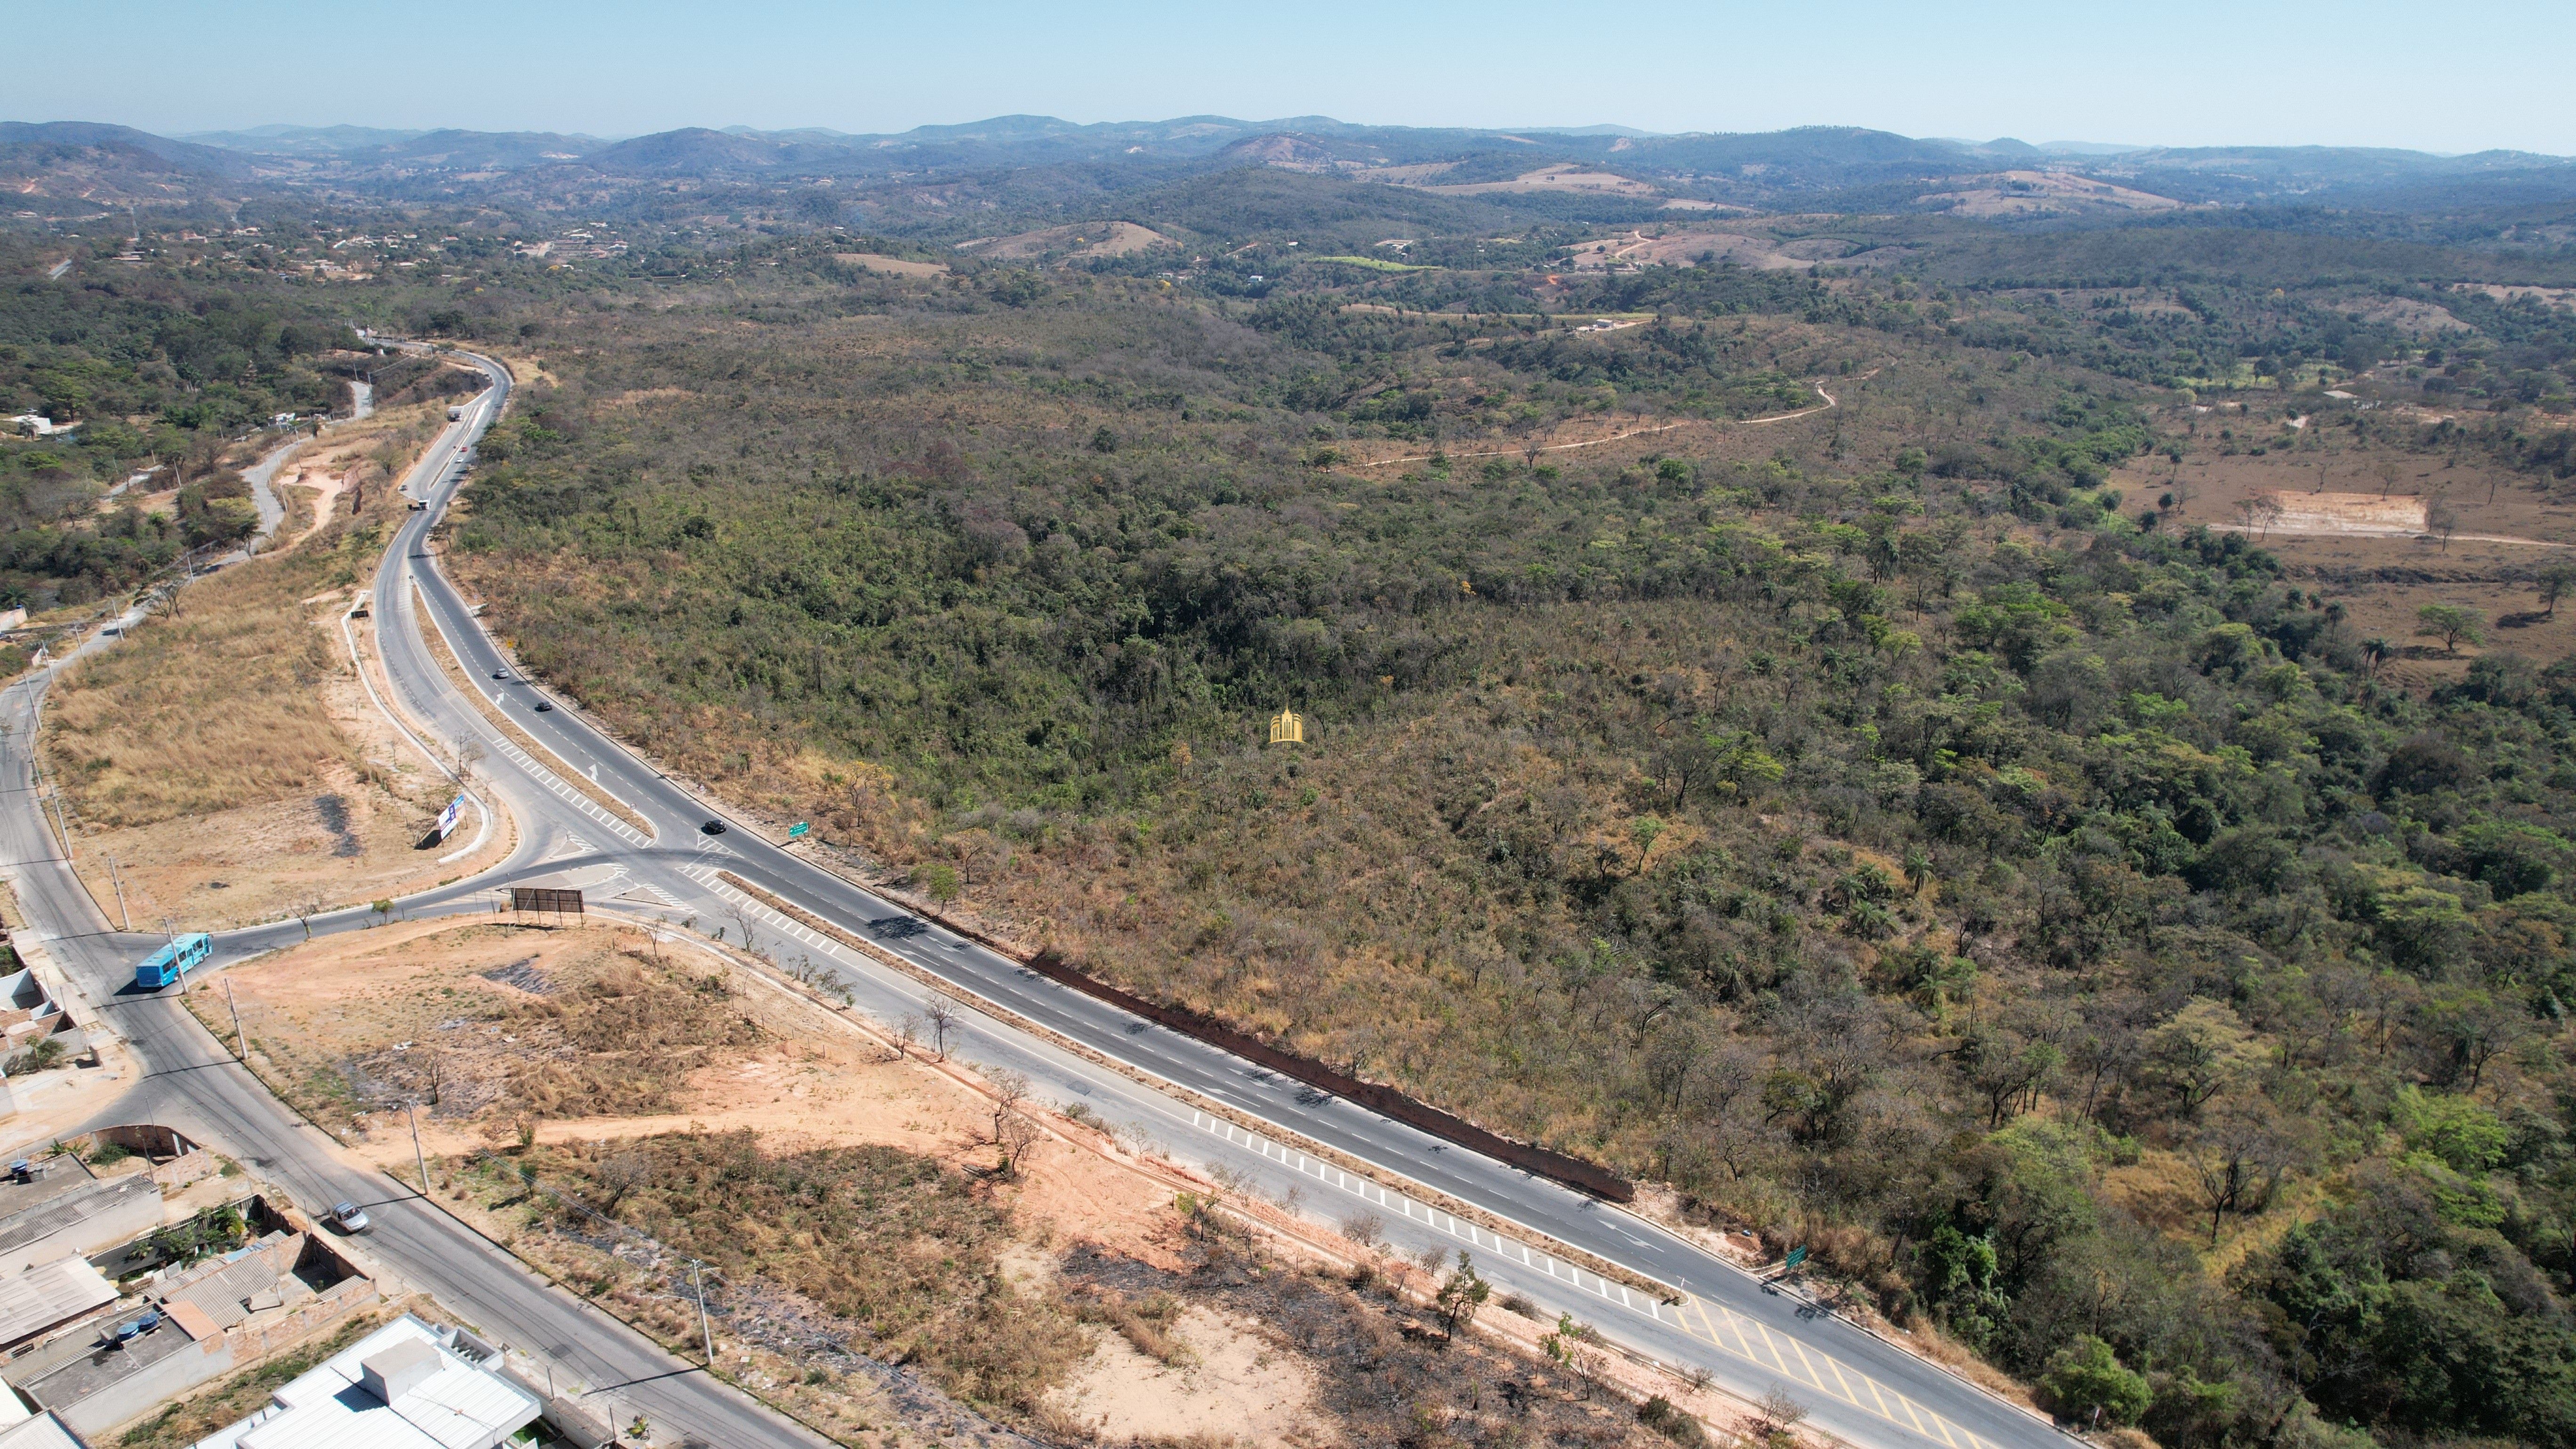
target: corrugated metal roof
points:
(50, 1293)
(461, 1406)
(44, 1431)
(220, 1294)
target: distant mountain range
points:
(1594, 174)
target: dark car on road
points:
(712, 827)
(544, 708)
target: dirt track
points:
(1632, 433)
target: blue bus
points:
(174, 961)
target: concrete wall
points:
(177, 1159)
(254, 1342)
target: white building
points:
(404, 1386)
(27, 1429)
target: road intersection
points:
(1275, 1133)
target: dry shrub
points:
(903, 1249)
(622, 1040)
(1151, 1323)
(1854, 1255)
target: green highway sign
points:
(1796, 1256)
(796, 831)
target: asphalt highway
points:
(1752, 1339)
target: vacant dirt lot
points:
(1555, 178)
(891, 266)
(586, 1038)
(1087, 239)
(600, 1051)
(2351, 529)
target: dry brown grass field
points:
(225, 756)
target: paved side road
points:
(189, 1081)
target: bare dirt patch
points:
(1083, 239)
(483, 1022)
(1374, 1366)
(2420, 319)
(2296, 512)
(2219, 475)
(2026, 193)
(891, 266)
(1570, 179)
(2360, 542)
(639, 397)
(313, 498)
(1225, 1378)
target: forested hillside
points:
(1869, 822)
(1831, 731)
(145, 366)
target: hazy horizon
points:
(2077, 146)
(2197, 74)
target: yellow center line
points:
(1809, 1364)
(1773, 1344)
(1743, 1345)
(1846, 1383)
(1708, 1329)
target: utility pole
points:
(66, 825)
(170, 928)
(119, 882)
(241, 1043)
(698, 1282)
(413, 1109)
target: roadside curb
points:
(1287, 1136)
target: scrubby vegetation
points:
(1876, 830)
(900, 1251)
(1872, 823)
(1386, 1370)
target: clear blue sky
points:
(2180, 73)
